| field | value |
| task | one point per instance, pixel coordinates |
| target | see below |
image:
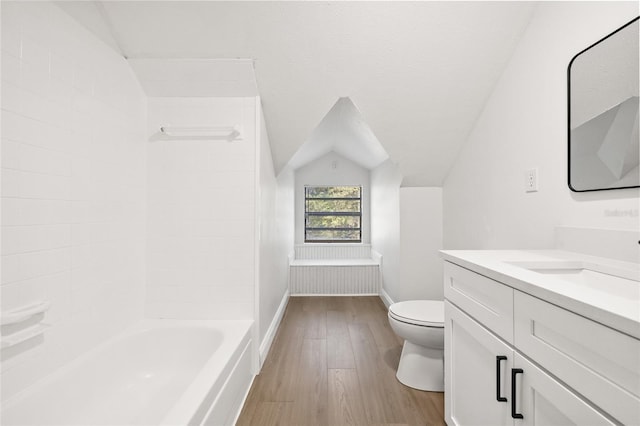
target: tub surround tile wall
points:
(202, 212)
(79, 175)
(220, 223)
(73, 187)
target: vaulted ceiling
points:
(418, 73)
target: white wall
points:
(420, 239)
(331, 169)
(276, 236)
(73, 187)
(406, 229)
(524, 125)
(201, 243)
(385, 223)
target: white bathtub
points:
(159, 372)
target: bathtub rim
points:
(236, 334)
(204, 391)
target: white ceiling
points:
(196, 77)
(418, 72)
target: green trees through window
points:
(333, 214)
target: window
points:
(333, 214)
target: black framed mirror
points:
(603, 143)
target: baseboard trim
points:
(332, 294)
(265, 346)
(386, 299)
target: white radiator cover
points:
(361, 277)
(332, 280)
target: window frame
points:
(358, 214)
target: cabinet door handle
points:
(514, 372)
(499, 396)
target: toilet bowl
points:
(421, 324)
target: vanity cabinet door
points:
(600, 363)
(543, 401)
(473, 373)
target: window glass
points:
(333, 214)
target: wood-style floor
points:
(333, 362)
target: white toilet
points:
(421, 324)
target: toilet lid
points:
(428, 313)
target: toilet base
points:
(421, 368)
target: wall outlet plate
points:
(531, 180)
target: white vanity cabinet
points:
(480, 372)
(477, 368)
(513, 359)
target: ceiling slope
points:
(419, 72)
(196, 77)
(343, 131)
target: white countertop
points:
(611, 308)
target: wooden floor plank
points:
(270, 413)
(333, 362)
(314, 316)
(380, 405)
(311, 400)
(277, 382)
(383, 334)
(339, 304)
(345, 398)
(339, 352)
(434, 412)
(336, 322)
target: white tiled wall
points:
(201, 212)
(73, 187)
(276, 221)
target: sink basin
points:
(622, 283)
